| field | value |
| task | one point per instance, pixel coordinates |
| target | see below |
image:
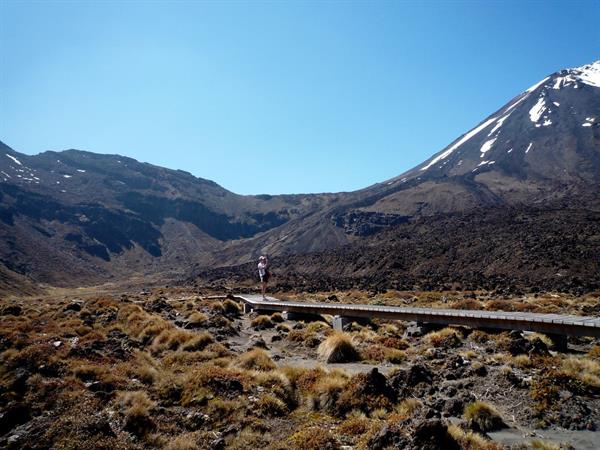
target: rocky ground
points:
(183, 368)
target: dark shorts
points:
(265, 278)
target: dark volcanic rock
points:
(433, 435)
(12, 310)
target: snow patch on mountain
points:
(487, 145)
(499, 124)
(535, 113)
(461, 141)
(535, 86)
(14, 159)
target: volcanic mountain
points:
(76, 217)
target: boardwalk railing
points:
(556, 325)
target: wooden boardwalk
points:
(552, 324)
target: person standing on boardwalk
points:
(263, 273)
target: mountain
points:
(76, 217)
(542, 147)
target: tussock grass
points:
(338, 348)
(313, 438)
(469, 440)
(232, 308)
(137, 406)
(408, 407)
(277, 318)
(198, 342)
(277, 383)
(542, 337)
(446, 337)
(256, 359)
(594, 352)
(170, 339)
(262, 323)
(271, 406)
(538, 444)
(326, 391)
(284, 328)
(522, 361)
(356, 424)
(184, 442)
(484, 415)
(586, 371)
(197, 319)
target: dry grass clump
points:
(317, 326)
(500, 305)
(538, 444)
(446, 338)
(355, 425)
(469, 440)
(394, 342)
(197, 319)
(170, 339)
(522, 361)
(277, 318)
(231, 308)
(198, 342)
(594, 352)
(256, 359)
(91, 372)
(262, 323)
(468, 303)
(137, 406)
(484, 415)
(277, 383)
(326, 391)
(284, 328)
(338, 348)
(478, 336)
(542, 337)
(184, 442)
(313, 438)
(586, 371)
(408, 407)
(395, 356)
(271, 406)
(222, 381)
(373, 353)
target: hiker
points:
(263, 273)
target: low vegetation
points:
(483, 416)
(338, 348)
(171, 369)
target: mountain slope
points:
(81, 217)
(542, 146)
(77, 217)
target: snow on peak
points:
(460, 142)
(588, 74)
(535, 86)
(535, 113)
(14, 159)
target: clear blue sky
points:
(275, 97)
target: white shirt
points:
(262, 268)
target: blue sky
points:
(275, 97)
